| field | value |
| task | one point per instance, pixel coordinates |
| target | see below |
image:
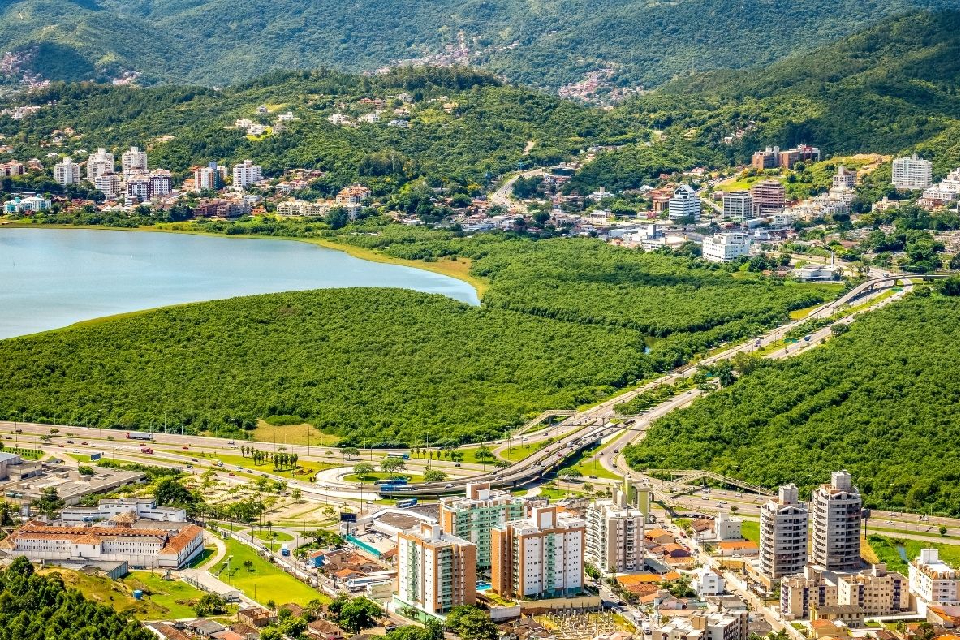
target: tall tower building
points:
(474, 516)
(98, 164)
(134, 161)
(783, 535)
(66, 172)
(836, 509)
(436, 571)
(615, 535)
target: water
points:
(51, 278)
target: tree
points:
(569, 472)
(49, 503)
(85, 470)
(354, 614)
(293, 627)
(943, 530)
(271, 633)
(171, 492)
(471, 623)
(296, 494)
(350, 452)
(392, 465)
(434, 475)
(363, 470)
(210, 604)
(337, 218)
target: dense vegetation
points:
(880, 400)
(565, 322)
(34, 607)
(546, 44)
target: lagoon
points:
(51, 278)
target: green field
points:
(267, 535)
(174, 596)
(263, 581)
(886, 550)
(370, 478)
(587, 467)
(240, 461)
(519, 452)
(751, 530)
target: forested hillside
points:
(34, 607)
(881, 400)
(565, 322)
(543, 44)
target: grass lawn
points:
(309, 465)
(174, 596)
(292, 434)
(267, 536)
(885, 550)
(581, 462)
(800, 314)
(370, 478)
(205, 555)
(263, 581)
(556, 494)
(519, 452)
(751, 530)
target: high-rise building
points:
(844, 178)
(474, 516)
(66, 172)
(738, 205)
(98, 164)
(912, 173)
(685, 203)
(137, 188)
(783, 534)
(933, 581)
(769, 198)
(541, 555)
(614, 535)
(436, 571)
(160, 183)
(246, 174)
(134, 161)
(208, 177)
(108, 184)
(726, 247)
(836, 510)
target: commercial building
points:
(912, 173)
(769, 198)
(738, 205)
(66, 172)
(246, 174)
(133, 161)
(108, 184)
(614, 535)
(933, 582)
(539, 556)
(98, 164)
(436, 571)
(836, 511)
(783, 535)
(726, 247)
(141, 508)
(154, 545)
(209, 177)
(474, 516)
(730, 625)
(685, 204)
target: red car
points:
(185, 447)
(84, 443)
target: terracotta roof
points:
(227, 635)
(639, 578)
(737, 544)
(184, 537)
(170, 632)
(656, 533)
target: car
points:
(231, 442)
(592, 477)
(84, 443)
(60, 445)
(69, 441)
(616, 450)
(448, 486)
(194, 460)
(185, 447)
(18, 430)
(456, 464)
(232, 474)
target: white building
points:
(436, 571)
(246, 174)
(944, 193)
(731, 625)
(614, 535)
(474, 515)
(707, 582)
(160, 183)
(738, 205)
(108, 184)
(66, 172)
(783, 534)
(208, 177)
(726, 527)
(933, 582)
(134, 161)
(685, 203)
(726, 247)
(844, 178)
(142, 508)
(149, 545)
(29, 204)
(836, 511)
(912, 173)
(539, 556)
(137, 188)
(98, 164)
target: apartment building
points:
(933, 582)
(769, 198)
(140, 544)
(877, 592)
(436, 571)
(836, 510)
(246, 174)
(351, 198)
(160, 183)
(474, 516)
(539, 556)
(726, 247)
(208, 177)
(614, 535)
(912, 173)
(729, 625)
(738, 205)
(783, 535)
(774, 158)
(98, 164)
(844, 178)
(12, 168)
(66, 172)
(685, 204)
(133, 161)
(108, 184)
(137, 188)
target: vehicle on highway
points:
(185, 447)
(69, 441)
(84, 443)
(457, 464)
(231, 442)
(232, 474)
(146, 450)
(189, 466)
(194, 460)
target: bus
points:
(400, 456)
(409, 502)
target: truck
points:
(139, 435)
(146, 450)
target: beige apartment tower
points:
(783, 535)
(435, 571)
(836, 509)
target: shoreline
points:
(458, 269)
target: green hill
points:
(545, 43)
(881, 400)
